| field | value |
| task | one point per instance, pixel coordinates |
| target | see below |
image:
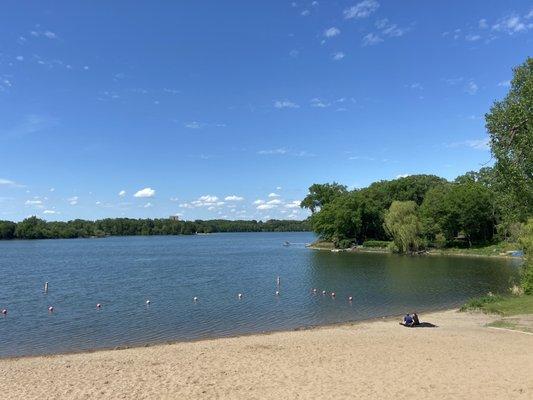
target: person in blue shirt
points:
(410, 320)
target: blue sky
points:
(232, 109)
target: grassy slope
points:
(505, 306)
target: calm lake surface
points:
(121, 273)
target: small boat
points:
(286, 244)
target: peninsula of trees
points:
(420, 211)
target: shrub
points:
(479, 303)
(440, 241)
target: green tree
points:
(339, 220)
(510, 125)
(321, 194)
(403, 224)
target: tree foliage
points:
(510, 126)
(35, 228)
(403, 225)
(322, 194)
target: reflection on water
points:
(122, 273)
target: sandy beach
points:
(459, 359)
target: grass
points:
(491, 250)
(505, 306)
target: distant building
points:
(174, 218)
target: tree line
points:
(36, 228)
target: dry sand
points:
(460, 359)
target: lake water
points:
(121, 273)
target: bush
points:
(440, 241)
(344, 243)
(479, 303)
(376, 243)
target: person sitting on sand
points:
(415, 319)
(408, 321)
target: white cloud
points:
(371, 39)
(477, 144)
(234, 198)
(173, 199)
(482, 24)
(388, 29)
(285, 104)
(146, 192)
(293, 204)
(273, 151)
(510, 24)
(338, 56)
(471, 88)
(402, 176)
(294, 53)
(274, 202)
(332, 32)
(273, 195)
(259, 201)
(305, 13)
(472, 37)
(361, 10)
(318, 103)
(51, 212)
(73, 200)
(19, 58)
(278, 188)
(122, 193)
(193, 125)
(33, 202)
(265, 206)
(208, 199)
(7, 182)
(47, 34)
(148, 205)
(505, 84)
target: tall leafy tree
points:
(510, 126)
(403, 224)
(321, 194)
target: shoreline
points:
(461, 358)
(428, 253)
(231, 336)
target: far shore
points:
(460, 358)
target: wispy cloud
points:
(338, 56)
(200, 125)
(285, 104)
(361, 10)
(234, 198)
(511, 24)
(282, 151)
(332, 32)
(477, 144)
(389, 29)
(504, 84)
(471, 88)
(30, 124)
(9, 183)
(44, 34)
(73, 200)
(371, 39)
(319, 103)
